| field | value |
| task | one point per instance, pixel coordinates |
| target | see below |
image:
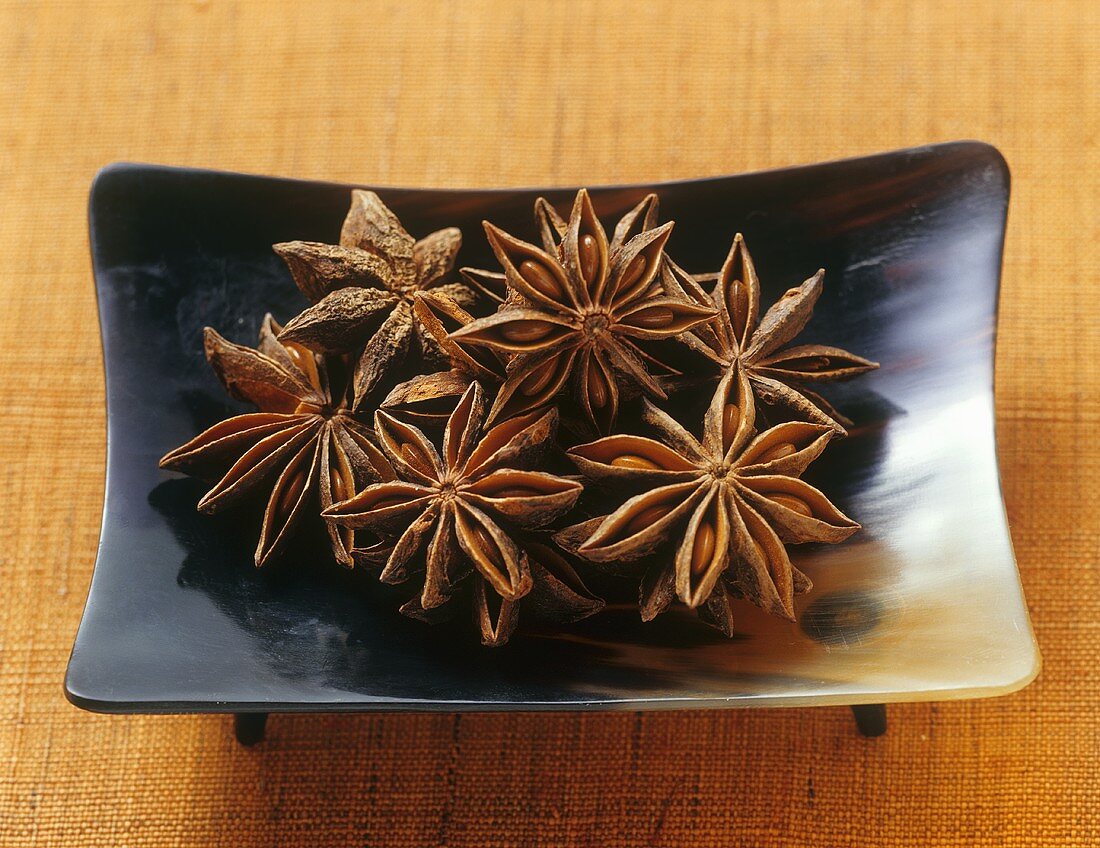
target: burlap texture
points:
(497, 93)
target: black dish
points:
(924, 604)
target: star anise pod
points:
(552, 228)
(303, 443)
(731, 500)
(577, 312)
(557, 594)
(737, 337)
(641, 218)
(363, 290)
(459, 502)
(429, 398)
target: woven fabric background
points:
(487, 93)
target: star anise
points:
(641, 218)
(459, 503)
(730, 499)
(577, 311)
(738, 338)
(429, 398)
(557, 594)
(552, 228)
(303, 443)
(363, 290)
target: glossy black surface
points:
(924, 604)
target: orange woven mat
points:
(497, 93)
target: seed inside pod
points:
(523, 332)
(538, 379)
(386, 503)
(647, 518)
(294, 352)
(731, 417)
(654, 318)
(539, 277)
(739, 301)
(702, 551)
(298, 355)
(414, 457)
(628, 283)
(485, 544)
(290, 494)
(303, 360)
(792, 503)
(631, 460)
(811, 363)
(337, 488)
(598, 389)
(515, 492)
(589, 251)
(776, 452)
